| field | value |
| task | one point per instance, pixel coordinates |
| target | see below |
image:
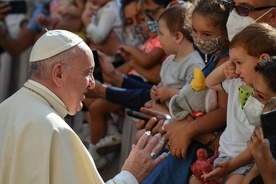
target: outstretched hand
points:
(142, 158)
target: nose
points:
(91, 82)
(136, 21)
(237, 70)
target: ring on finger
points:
(153, 155)
(164, 124)
(251, 138)
(163, 127)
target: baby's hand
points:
(230, 70)
(163, 93)
(153, 93)
(221, 170)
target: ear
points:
(264, 56)
(58, 74)
(179, 37)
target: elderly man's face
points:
(78, 80)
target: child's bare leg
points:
(250, 175)
(194, 180)
(235, 178)
(99, 111)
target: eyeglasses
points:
(241, 10)
(150, 13)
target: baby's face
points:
(244, 63)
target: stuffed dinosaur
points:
(194, 98)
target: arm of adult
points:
(145, 60)
(141, 160)
(26, 38)
(4, 7)
(260, 149)
(180, 133)
(151, 74)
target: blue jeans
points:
(173, 170)
(133, 94)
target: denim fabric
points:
(173, 170)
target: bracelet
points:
(195, 125)
(215, 135)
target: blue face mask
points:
(153, 25)
(138, 33)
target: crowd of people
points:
(151, 53)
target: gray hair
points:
(41, 69)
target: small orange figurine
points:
(203, 165)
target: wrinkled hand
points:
(140, 162)
(220, 171)
(230, 70)
(179, 138)
(4, 7)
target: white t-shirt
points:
(107, 19)
(238, 129)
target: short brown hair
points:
(178, 19)
(256, 39)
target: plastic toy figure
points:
(203, 165)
